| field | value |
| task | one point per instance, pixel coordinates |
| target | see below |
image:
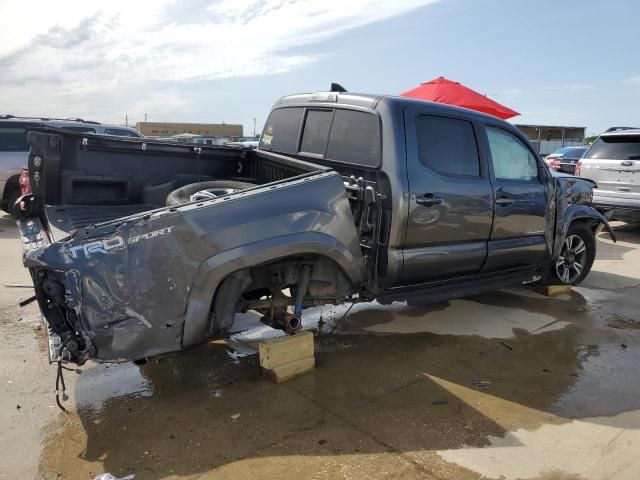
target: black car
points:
(564, 159)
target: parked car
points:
(14, 147)
(347, 198)
(565, 159)
(613, 162)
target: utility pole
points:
(145, 117)
(126, 119)
(254, 126)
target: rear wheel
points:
(576, 256)
(201, 191)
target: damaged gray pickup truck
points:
(138, 248)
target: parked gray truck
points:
(347, 198)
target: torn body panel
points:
(144, 285)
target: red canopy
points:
(442, 90)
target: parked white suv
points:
(14, 147)
(613, 162)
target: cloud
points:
(78, 51)
(633, 80)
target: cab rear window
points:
(615, 147)
(281, 131)
(13, 139)
(338, 135)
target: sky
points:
(567, 62)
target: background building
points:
(169, 129)
(546, 138)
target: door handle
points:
(428, 200)
(504, 201)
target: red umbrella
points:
(442, 90)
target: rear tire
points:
(576, 257)
(215, 188)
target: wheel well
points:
(13, 183)
(591, 223)
(328, 283)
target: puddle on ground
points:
(603, 385)
(102, 382)
(500, 315)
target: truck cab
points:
(465, 192)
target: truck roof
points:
(622, 133)
(369, 101)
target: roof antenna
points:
(336, 87)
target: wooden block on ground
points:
(290, 370)
(283, 350)
(553, 290)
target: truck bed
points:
(88, 179)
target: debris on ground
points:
(440, 402)
(108, 476)
(235, 416)
(508, 347)
(481, 383)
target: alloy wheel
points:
(572, 259)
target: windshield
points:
(615, 147)
(13, 139)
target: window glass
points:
(354, 138)
(79, 129)
(119, 132)
(316, 131)
(13, 140)
(447, 145)
(615, 147)
(511, 159)
(281, 130)
(575, 153)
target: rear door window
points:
(354, 138)
(80, 129)
(13, 139)
(316, 131)
(119, 132)
(281, 131)
(448, 145)
(615, 147)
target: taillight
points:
(578, 168)
(554, 163)
(24, 182)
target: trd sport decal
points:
(113, 243)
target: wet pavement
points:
(507, 385)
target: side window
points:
(448, 145)
(354, 138)
(13, 139)
(316, 131)
(281, 130)
(80, 129)
(118, 132)
(511, 159)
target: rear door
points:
(450, 207)
(613, 161)
(520, 199)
